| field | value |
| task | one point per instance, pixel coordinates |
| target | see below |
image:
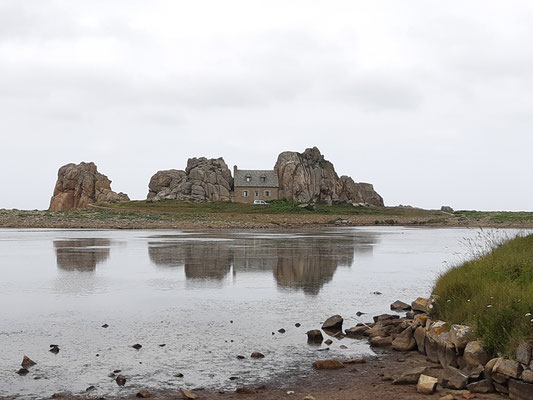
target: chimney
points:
(234, 171)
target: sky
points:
(430, 101)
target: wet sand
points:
(372, 380)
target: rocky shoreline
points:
(416, 357)
(106, 218)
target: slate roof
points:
(270, 181)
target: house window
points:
(267, 193)
(263, 179)
(245, 193)
(257, 193)
(248, 178)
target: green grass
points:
(274, 207)
(494, 294)
(497, 217)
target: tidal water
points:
(207, 296)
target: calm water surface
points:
(207, 295)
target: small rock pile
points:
(461, 361)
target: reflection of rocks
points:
(297, 262)
(81, 254)
(214, 261)
(202, 260)
(309, 263)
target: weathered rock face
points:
(203, 180)
(308, 176)
(80, 185)
(169, 184)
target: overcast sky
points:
(432, 102)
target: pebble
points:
(121, 380)
(137, 346)
(188, 394)
(297, 324)
(256, 354)
(144, 394)
(27, 362)
(281, 330)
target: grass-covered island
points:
(494, 294)
(277, 214)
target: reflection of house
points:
(253, 184)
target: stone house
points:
(253, 184)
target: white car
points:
(262, 202)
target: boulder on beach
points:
(333, 323)
(400, 306)
(328, 364)
(187, 394)
(314, 336)
(405, 341)
(79, 185)
(426, 384)
(421, 304)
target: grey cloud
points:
(146, 92)
(381, 92)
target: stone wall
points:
(239, 197)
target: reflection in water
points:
(81, 254)
(204, 260)
(303, 262)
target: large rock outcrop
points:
(203, 180)
(358, 192)
(308, 177)
(80, 185)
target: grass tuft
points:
(493, 293)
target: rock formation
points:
(359, 193)
(308, 177)
(203, 180)
(80, 185)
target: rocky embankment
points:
(459, 361)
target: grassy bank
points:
(493, 293)
(280, 213)
(273, 207)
